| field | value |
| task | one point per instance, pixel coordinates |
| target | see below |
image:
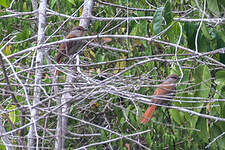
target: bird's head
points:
(172, 78)
(78, 30)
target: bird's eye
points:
(174, 77)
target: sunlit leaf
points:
(12, 114)
(7, 50)
(5, 3)
(52, 3)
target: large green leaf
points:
(205, 32)
(52, 3)
(203, 43)
(220, 93)
(167, 13)
(215, 132)
(213, 7)
(202, 125)
(177, 116)
(220, 42)
(173, 32)
(220, 77)
(202, 78)
(5, 3)
(157, 20)
(190, 30)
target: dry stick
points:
(121, 36)
(4, 139)
(8, 86)
(33, 137)
(218, 51)
(93, 18)
(135, 9)
(62, 121)
(115, 139)
(129, 95)
(103, 128)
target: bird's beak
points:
(85, 29)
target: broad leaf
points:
(213, 7)
(157, 20)
(167, 13)
(5, 3)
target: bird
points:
(70, 48)
(166, 88)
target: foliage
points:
(171, 39)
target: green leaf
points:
(128, 110)
(103, 135)
(2, 147)
(220, 81)
(114, 143)
(220, 35)
(222, 104)
(220, 42)
(52, 3)
(215, 132)
(190, 30)
(213, 7)
(203, 43)
(121, 143)
(149, 140)
(177, 116)
(5, 3)
(202, 78)
(191, 119)
(184, 79)
(220, 77)
(206, 32)
(122, 121)
(12, 114)
(24, 34)
(25, 6)
(203, 126)
(7, 51)
(167, 13)
(72, 2)
(173, 32)
(157, 20)
(203, 81)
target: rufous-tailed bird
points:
(70, 48)
(164, 89)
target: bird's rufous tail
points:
(148, 114)
(58, 60)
